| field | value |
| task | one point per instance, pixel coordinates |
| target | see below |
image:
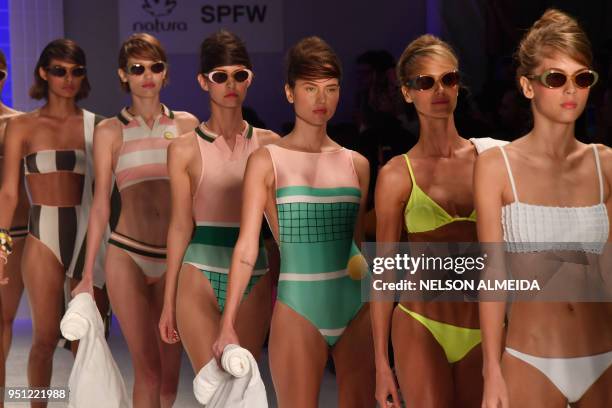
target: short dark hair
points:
(312, 58)
(141, 45)
(223, 48)
(62, 49)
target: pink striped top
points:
(143, 154)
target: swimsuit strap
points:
(410, 170)
(509, 173)
(599, 175)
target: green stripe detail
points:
(203, 135)
(249, 132)
(217, 236)
(122, 118)
(318, 192)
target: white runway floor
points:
(17, 364)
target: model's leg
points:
(354, 359)
(11, 294)
(2, 364)
(254, 315)
(528, 387)
(197, 315)
(298, 354)
(467, 376)
(421, 367)
(130, 298)
(44, 278)
(599, 394)
(170, 354)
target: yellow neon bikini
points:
(422, 214)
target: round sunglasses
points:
(139, 69)
(3, 74)
(220, 77)
(555, 79)
(60, 71)
(425, 82)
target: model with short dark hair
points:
(206, 169)
(53, 143)
(132, 148)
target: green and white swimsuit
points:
(317, 200)
(216, 208)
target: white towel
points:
(95, 380)
(485, 143)
(237, 385)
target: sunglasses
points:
(555, 79)
(3, 74)
(220, 77)
(60, 72)
(425, 82)
(139, 69)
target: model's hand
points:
(84, 286)
(385, 388)
(167, 325)
(495, 392)
(227, 335)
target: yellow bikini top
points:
(423, 214)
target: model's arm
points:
(180, 155)
(9, 192)
(392, 188)
(258, 181)
(106, 135)
(490, 180)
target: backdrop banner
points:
(181, 25)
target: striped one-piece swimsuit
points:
(216, 208)
(55, 227)
(317, 200)
(142, 158)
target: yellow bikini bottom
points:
(455, 341)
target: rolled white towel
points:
(74, 326)
(209, 378)
(236, 360)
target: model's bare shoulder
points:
(267, 136)
(183, 146)
(185, 121)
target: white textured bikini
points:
(529, 228)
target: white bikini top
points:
(533, 228)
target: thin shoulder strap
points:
(410, 170)
(598, 164)
(509, 173)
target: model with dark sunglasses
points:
(53, 142)
(427, 193)
(132, 149)
(206, 170)
(556, 353)
(312, 192)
